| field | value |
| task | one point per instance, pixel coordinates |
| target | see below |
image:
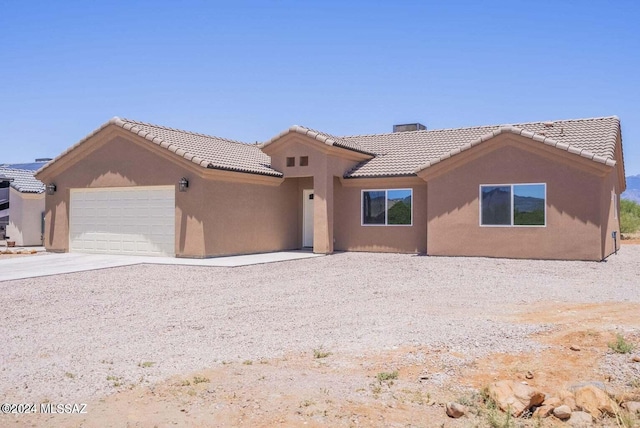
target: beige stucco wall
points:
(25, 217)
(573, 207)
(214, 217)
(326, 165)
(225, 213)
(351, 235)
(610, 212)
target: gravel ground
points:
(64, 335)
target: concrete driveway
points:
(54, 264)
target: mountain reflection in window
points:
(399, 206)
(373, 206)
(513, 205)
(528, 204)
(496, 205)
(387, 207)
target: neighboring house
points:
(21, 206)
(4, 205)
(545, 190)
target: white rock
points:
(562, 412)
(455, 410)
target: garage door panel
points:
(127, 220)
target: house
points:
(545, 190)
(22, 205)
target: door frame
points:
(307, 236)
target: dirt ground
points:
(301, 389)
(392, 387)
(631, 238)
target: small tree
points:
(629, 216)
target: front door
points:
(307, 218)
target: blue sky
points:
(247, 70)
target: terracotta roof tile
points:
(406, 153)
(323, 137)
(395, 154)
(204, 150)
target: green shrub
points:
(629, 216)
(387, 376)
(621, 346)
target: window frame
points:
(386, 207)
(511, 185)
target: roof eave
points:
(314, 135)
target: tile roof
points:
(23, 180)
(395, 154)
(406, 153)
(323, 137)
(204, 150)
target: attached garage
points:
(123, 220)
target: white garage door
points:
(123, 220)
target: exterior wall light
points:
(183, 184)
(51, 188)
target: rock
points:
(567, 397)
(529, 375)
(455, 410)
(543, 411)
(597, 384)
(636, 359)
(594, 400)
(632, 406)
(562, 412)
(574, 348)
(514, 396)
(580, 420)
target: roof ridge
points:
(184, 131)
(583, 119)
(335, 137)
(481, 126)
(421, 131)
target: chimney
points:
(406, 127)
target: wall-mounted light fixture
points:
(183, 184)
(51, 188)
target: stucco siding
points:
(573, 217)
(213, 217)
(351, 235)
(610, 213)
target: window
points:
(291, 161)
(387, 207)
(513, 205)
(304, 160)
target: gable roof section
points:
(23, 180)
(394, 155)
(203, 150)
(322, 137)
(406, 153)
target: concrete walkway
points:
(54, 264)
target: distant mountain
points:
(633, 189)
(528, 204)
